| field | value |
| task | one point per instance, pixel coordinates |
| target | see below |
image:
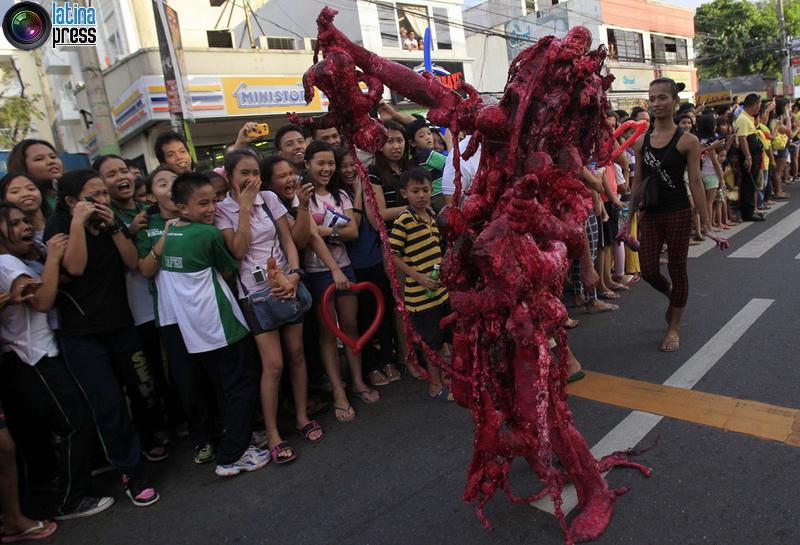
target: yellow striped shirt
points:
(418, 243)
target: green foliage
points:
(738, 37)
(18, 109)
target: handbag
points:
(270, 311)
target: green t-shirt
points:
(190, 284)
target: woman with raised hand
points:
(255, 229)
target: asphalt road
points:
(396, 474)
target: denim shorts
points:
(782, 153)
(318, 282)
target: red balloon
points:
(330, 323)
(641, 126)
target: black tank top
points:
(667, 166)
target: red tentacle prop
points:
(509, 249)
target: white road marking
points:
(708, 244)
(630, 432)
(769, 238)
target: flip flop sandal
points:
(670, 345)
(282, 448)
(571, 324)
(364, 395)
(316, 406)
(621, 287)
(310, 428)
(42, 530)
(440, 396)
(609, 295)
(576, 376)
(347, 410)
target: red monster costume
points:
(509, 248)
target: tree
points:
(738, 37)
(18, 109)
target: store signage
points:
(246, 95)
(713, 99)
(268, 96)
(631, 79)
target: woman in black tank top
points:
(664, 153)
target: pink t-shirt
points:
(311, 262)
(265, 242)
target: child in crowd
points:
(220, 183)
(191, 257)
(416, 243)
(140, 194)
(420, 139)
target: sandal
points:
(670, 345)
(42, 530)
(281, 449)
(343, 412)
(571, 324)
(376, 378)
(316, 405)
(578, 375)
(391, 372)
(310, 428)
(609, 295)
(442, 395)
(368, 395)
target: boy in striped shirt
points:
(417, 248)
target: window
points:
(530, 6)
(413, 20)
(442, 25)
(280, 43)
(312, 43)
(624, 45)
(219, 38)
(388, 25)
(669, 50)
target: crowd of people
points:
(137, 309)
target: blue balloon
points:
(427, 50)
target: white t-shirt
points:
(317, 206)
(468, 169)
(264, 237)
(23, 329)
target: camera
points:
(259, 276)
(95, 221)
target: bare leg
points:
(269, 349)
(347, 311)
(330, 360)
(14, 521)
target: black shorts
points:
(610, 228)
(427, 324)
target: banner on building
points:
(631, 79)
(450, 74)
(713, 99)
(176, 76)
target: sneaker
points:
(162, 438)
(156, 454)
(204, 453)
(102, 470)
(87, 507)
(251, 460)
(182, 429)
(139, 492)
(259, 439)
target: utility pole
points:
(785, 52)
(168, 62)
(98, 101)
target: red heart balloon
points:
(641, 126)
(330, 323)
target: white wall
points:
(491, 62)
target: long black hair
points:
(335, 185)
(5, 219)
(382, 163)
(6, 180)
(71, 185)
(706, 127)
(16, 157)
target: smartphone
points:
(261, 130)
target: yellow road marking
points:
(730, 414)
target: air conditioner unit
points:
(280, 43)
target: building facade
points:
(645, 40)
(241, 64)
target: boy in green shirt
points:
(190, 257)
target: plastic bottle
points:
(435, 275)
